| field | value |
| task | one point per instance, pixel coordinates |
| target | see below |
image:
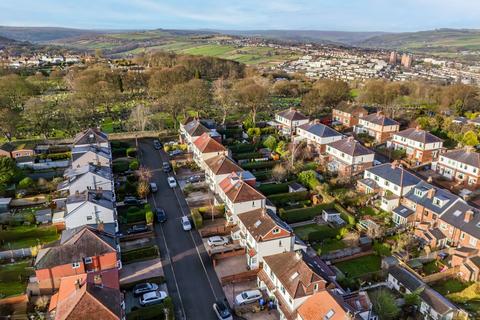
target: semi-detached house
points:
(218, 168)
(84, 155)
(289, 120)
(88, 177)
(348, 157)
(348, 114)
(461, 166)
(206, 147)
(91, 137)
(377, 126)
(191, 130)
(317, 135)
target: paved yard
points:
(132, 301)
(141, 270)
(230, 266)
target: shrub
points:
(303, 214)
(131, 152)
(134, 165)
(270, 142)
(25, 183)
(118, 152)
(243, 147)
(259, 165)
(268, 130)
(133, 215)
(252, 132)
(140, 254)
(283, 198)
(167, 148)
(148, 214)
(120, 166)
(309, 179)
(55, 156)
(197, 219)
(344, 214)
(273, 188)
(248, 155)
(152, 312)
(263, 175)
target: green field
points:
(26, 237)
(13, 278)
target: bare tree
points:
(139, 118)
(279, 172)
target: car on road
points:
(157, 144)
(175, 153)
(186, 225)
(131, 201)
(153, 297)
(161, 215)
(248, 296)
(217, 241)
(193, 179)
(172, 182)
(143, 288)
(153, 187)
(166, 167)
(222, 310)
(138, 228)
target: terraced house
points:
(88, 177)
(206, 147)
(348, 114)
(190, 130)
(419, 145)
(91, 137)
(85, 155)
(348, 157)
(461, 166)
(218, 168)
(289, 120)
(317, 135)
(377, 126)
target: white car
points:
(153, 297)
(217, 241)
(248, 297)
(186, 225)
(172, 182)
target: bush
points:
(303, 214)
(263, 175)
(55, 156)
(309, 179)
(268, 130)
(152, 312)
(133, 215)
(197, 219)
(273, 188)
(243, 147)
(131, 152)
(120, 166)
(134, 165)
(252, 132)
(259, 165)
(118, 152)
(25, 183)
(283, 198)
(148, 214)
(248, 155)
(344, 214)
(140, 254)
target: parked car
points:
(172, 182)
(143, 288)
(138, 228)
(131, 201)
(186, 225)
(193, 179)
(161, 215)
(153, 187)
(153, 297)
(166, 167)
(157, 144)
(217, 241)
(174, 153)
(248, 296)
(222, 310)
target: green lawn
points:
(360, 266)
(13, 278)
(431, 267)
(26, 237)
(449, 286)
(329, 245)
(304, 231)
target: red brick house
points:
(377, 126)
(462, 166)
(348, 157)
(348, 114)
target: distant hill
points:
(43, 34)
(6, 41)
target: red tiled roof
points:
(319, 305)
(207, 144)
(238, 190)
(222, 165)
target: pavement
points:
(190, 276)
(141, 270)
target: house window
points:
(75, 265)
(89, 218)
(462, 236)
(253, 203)
(473, 241)
(88, 260)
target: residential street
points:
(189, 273)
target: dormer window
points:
(88, 260)
(420, 193)
(439, 202)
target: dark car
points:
(138, 228)
(195, 178)
(161, 215)
(157, 144)
(145, 287)
(222, 310)
(131, 201)
(166, 167)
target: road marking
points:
(171, 266)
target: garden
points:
(13, 278)
(141, 254)
(358, 267)
(27, 236)
(134, 214)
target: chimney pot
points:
(97, 280)
(468, 216)
(431, 193)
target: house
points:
(377, 126)
(239, 196)
(419, 145)
(88, 296)
(348, 114)
(191, 130)
(205, 147)
(317, 135)
(468, 260)
(290, 280)
(348, 157)
(218, 168)
(90, 207)
(461, 166)
(288, 120)
(23, 151)
(87, 177)
(84, 155)
(6, 150)
(91, 137)
(263, 234)
(80, 250)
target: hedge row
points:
(303, 214)
(260, 165)
(281, 199)
(273, 188)
(263, 175)
(139, 254)
(129, 286)
(243, 147)
(344, 214)
(197, 219)
(156, 311)
(248, 155)
(120, 166)
(55, 156)
(132, 215)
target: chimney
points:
(394, 164)
(298, 254)
(97, 280)
(430, 179)
(77, 284)
(379, 113)
(293, 109)
(101, 226)
(431, 193)
(418, 128)
(350, 139)
(468, 216)
(263, 212)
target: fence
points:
(342, 254)
(240, 277)
(14, 300)
(449, 273)
(351, 256)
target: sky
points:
(341, 15)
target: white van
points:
(186, 223)
(153, 187)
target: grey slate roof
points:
(90, 136)
(435, 300)
(396, 175)
(292, 115)
(351, 147)
(380, 120)
(104, 172)
(403, 211)
(102, 198)
(406, 278)
(428, 203)
(456, 217)
(78, 152)
(369, 182)
(461, 155)
(419, 135)
(195, 128)
(320, 130)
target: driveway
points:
(189, 272)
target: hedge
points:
(273, 188)
(55, 156)
(263, 175)
(304, 214)
(344, 214)
(132, 215)
(118, 152)
(197, 219)
(248, 155)
(260, 165)
(131, 152)
(120, 166)
(134, 165)
(156, 311)
(243, 147)
(129, 286)
(281, 199)
(141, 254)
(268, 130)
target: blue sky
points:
(345, 15)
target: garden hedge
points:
(141, 254)
(156, 311)
(248, 156)
(303, 214)
(273, 188)
(120, 166)
(132, 215)
(55, 156)
(263, 175)
(281, 199)
(197, 219)
(243, 147)
(260, 165)
(344, 214)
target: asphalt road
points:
(191, 280)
